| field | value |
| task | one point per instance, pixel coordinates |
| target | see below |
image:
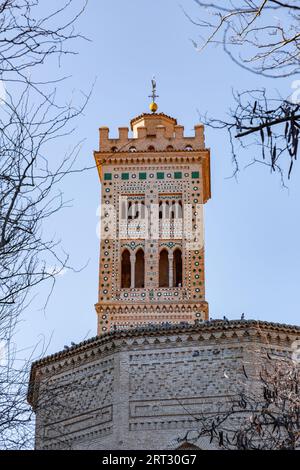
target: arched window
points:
(132, 149)
(176, 212)
(136, 212)
(143, 210)
(185, 445)
(130, 211)
(140, 269)
(160, 210)
(164, 269)
(177, 268)
(170, 147)
(151, 148)
(114, 149)
(173, 210)
(125, 270)
(188, 147)
(179, 210)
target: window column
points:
(170, 269)
(164, 209)
(132, 264)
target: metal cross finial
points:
(153, 95)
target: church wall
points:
(157, 361)
(143, 391)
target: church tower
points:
(136, 385)
(154, 184)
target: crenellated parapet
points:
(152, 132)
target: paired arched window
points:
(173, 278)
(170, 209)
(176, 210)
(133, 269)
(137, 270)
(133, 210)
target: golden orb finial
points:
(153, 106)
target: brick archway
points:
(164, 268)
(140, 269)
(125, 270)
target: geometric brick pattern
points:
(142, 388)
(157, 167)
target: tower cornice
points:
(156, 157)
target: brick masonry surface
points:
(141, 389)
(155, 184)
(158, 361)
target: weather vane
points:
(153, 106)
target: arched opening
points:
(173, 210)
(188, 147)
(125, 270)
(160, 210)
(114, 149)
(136, 212)
(177, 268)
(179, 210)
(164, 269)
(185, 445)
(176, 211)
(170, 147)
(132, 149)
(140, 269)
(143, 210)
(151, 148)
(130, 210)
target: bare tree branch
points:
(31, 118)
(267, 44)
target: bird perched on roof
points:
(225, 318)
(243, 316)
(72, 343)
(66, 347)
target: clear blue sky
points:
(252, 225)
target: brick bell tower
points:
(154, 185)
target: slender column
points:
(170, 269)
(164, 210)
(173, 211)
(136, 209)
(132, 264)
(166, 220)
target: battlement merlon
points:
(152, 132)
